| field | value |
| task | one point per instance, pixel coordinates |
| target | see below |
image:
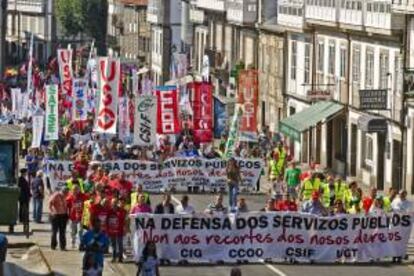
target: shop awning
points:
(294, 125)
(11, 133)
(371, 123)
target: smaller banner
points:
(80, 100)
(220, 118)
(168, 116)
(109, 71)
(24, 111)
(52, 120)
(16, 100)
(123, 119)
(37, 124)
(29, 67)
(65, 70)
(233, 133)
(248, 99)
(203, 113)
(145, 123)
(258, 236)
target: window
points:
(397, 72)
(321, 56)
(356, 64)
(369, 68)
(343, 62)
(367, 151)
(293, 60)
(331, 57)
(384, 69)
(307, 63)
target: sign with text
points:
(80, 100)
(177, 173)
(248, 99)
(168, 122)
(318, 95)
(109, 71)
(203, 112)
(52, 120)
(65, 70)
(371, 99)
(257, 236)
(145, 123)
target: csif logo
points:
(145, 104)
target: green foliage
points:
(71, 16)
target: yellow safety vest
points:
(274, 171)
(86, 215)
(310, 186)
(281, 161)
(326, 195)
(340, 191)
(387, 204)
(69, 184)
(134, 198)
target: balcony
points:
(403, 6)
(196, 15)
(243, 12)
(290, 13)
(325, 13)
(29, 6)
(214, 5)
(155, 12)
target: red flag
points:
(167, 101)
(203, 113)
(247, 97)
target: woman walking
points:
(233, 182)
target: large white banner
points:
(145, 123)
(37, 125)
(109, 70)
(16, 98)
(52, 114)
(258, 236)
(123, 132)
(177, 173)
(80, 100)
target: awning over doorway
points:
(371, 123)
(294, 125)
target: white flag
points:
(37, 130)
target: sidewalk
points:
(60, 262)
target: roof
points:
(11, 133)
(294, 125)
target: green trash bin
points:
(8, 206)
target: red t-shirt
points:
(100, 212)
(81, 167)
(367, 203)
(75, 206)
(124, 187)
(116, 222)
(286, 206)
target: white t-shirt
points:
(188, 210)
(401, 206)
(149, 267)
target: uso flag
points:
(65, 70)
(203, 113)
(167, 101)
(247, 98)
(108, 83)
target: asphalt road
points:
(256, 202)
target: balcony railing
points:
(155, 11)
(403, 6)
(242, 11)
(32, 6)
(215, 5)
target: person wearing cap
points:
(292, 179)
(401, 204)
(59, 217)
(24, 196)
(314, 206)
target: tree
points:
(71, 16)
(96, 15)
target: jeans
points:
(37, 209)
(59, 225)
(76, 228)
(233, 191)
(117, 244)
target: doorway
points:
(396, 164)
(380, 161)
(353, 157)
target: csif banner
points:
(109, 71)
(80, 100)
(248, 99)
(65, 70)
(258, 236)
(203, 112)
(145, 123)
(177, 173)
(52, 114)
(167, 111)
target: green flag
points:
(233, 133)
